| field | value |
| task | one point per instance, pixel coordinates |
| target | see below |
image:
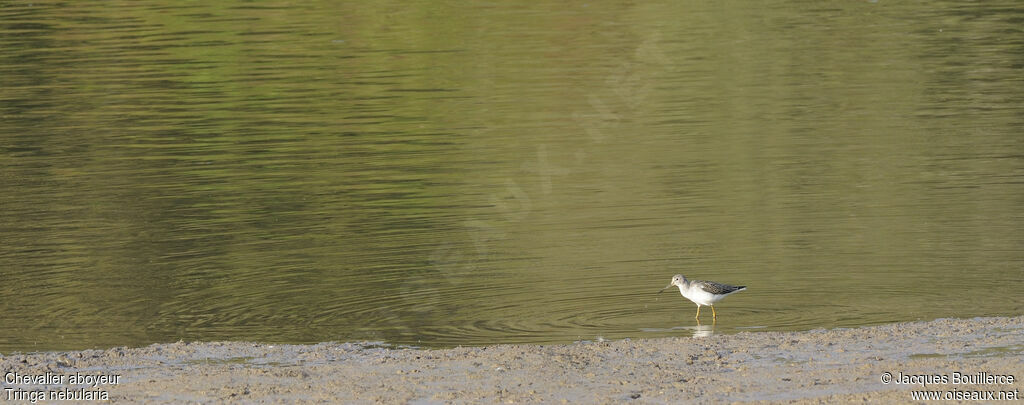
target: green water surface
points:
(464, 173)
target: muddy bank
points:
(974, 355)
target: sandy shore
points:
(843, 365)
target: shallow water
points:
(439, 174)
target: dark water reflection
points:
(442, 174)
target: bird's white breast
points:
(698, 295)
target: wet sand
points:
(820, 366)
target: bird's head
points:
(677, 280)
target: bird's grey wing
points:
(719, 288)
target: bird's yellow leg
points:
(714, 315)
(698, 313)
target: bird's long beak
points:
(663, 289)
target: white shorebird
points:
(705, 293)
